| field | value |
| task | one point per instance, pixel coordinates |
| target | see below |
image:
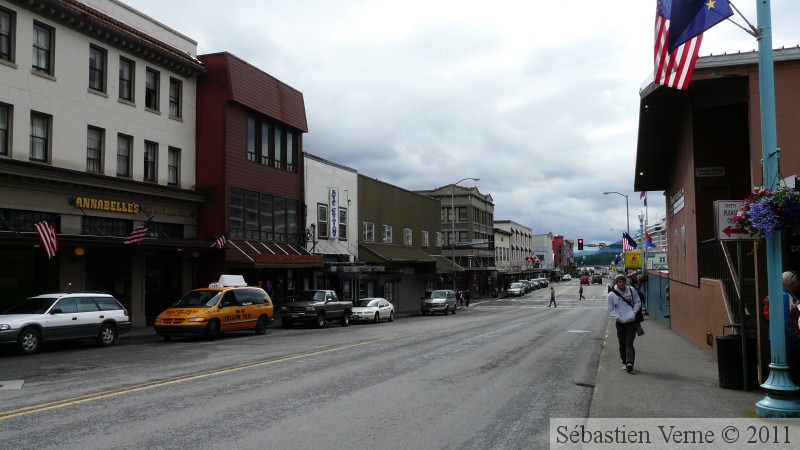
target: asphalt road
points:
(489, 377)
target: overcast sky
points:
(538, 99)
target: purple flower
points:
(763, 217)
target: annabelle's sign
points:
(104, 205)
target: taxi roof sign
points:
(229, 281)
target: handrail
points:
(715, 262)
(732, 270)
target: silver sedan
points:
(372, 310)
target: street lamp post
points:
(453, 222)
(643, 243)
(628, 222)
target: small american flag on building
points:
(137, 235)
(221, 241)
(48, 237)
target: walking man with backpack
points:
(623, 303)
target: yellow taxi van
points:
(227, 305)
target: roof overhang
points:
(392, 253)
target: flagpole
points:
(780, 399)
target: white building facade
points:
(331, 193)
(97, 126)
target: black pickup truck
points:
(316, 307)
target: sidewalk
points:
(671, 378)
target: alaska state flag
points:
(690, 18)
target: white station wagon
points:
(62, 316)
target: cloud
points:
(539, 100)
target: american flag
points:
(48, 237)
(137, 235)
(672, 69)
(221, 241)
(628, 244)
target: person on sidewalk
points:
(552, 298)
(580, 293)
(790, 286)
(623, 302)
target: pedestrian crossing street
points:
(538, 303)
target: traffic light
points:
(580, 244)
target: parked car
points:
(372, 310)
(584, 280)
(527, 284)
(536, 285)
(566, 277)
(442, 300)
(597, 279)
(63, 316)
(316, 307)
(226, 305)
(516, 290)
(543, 282)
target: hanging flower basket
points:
(766, 211)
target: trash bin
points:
(729, 362)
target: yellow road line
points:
(27, 410)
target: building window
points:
(280, 219)
(292, 208)
(252, 140)
(425, 239)
(6, 35)
(262, 216)
(407, 237)
(105, 226)
(322, 221)
(387, 234)
(124, 144)
(175, 96)
(97, 68)
(151, 89)
(94, 150)
(42, 48)
(251, 216)
(270, 144)
(267, 224)
(40, 137)
(236, 210)
(438, 238)
(173, 166)
(342, 224)
(290, 152)
(280, 152)
(267, 155)
(126, 77)
(462, 214)
(150, 160)
(5, 124)
(369, 232)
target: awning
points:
(392, 253)
(278, 254)
(445, 265)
